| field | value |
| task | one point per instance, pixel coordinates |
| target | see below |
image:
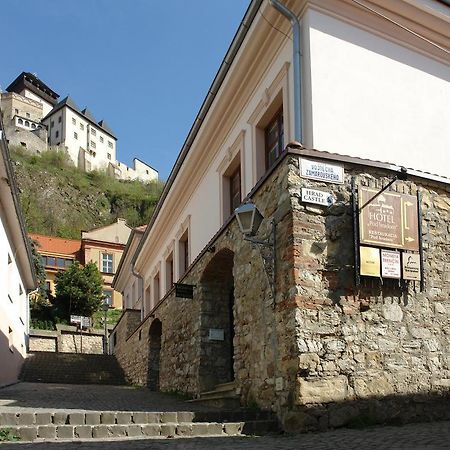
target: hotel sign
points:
(316, 170)
(388, 219)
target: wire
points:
(401, 26)
(275, 28)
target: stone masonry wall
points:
(381, 341)
(66, 340)
(324, 353)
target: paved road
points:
(409, 437)
(41, 396)
(37, 396)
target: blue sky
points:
(144, 66)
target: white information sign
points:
(411, 266)
(390, 264)
(317, 170)
(317, 197)
(216, 334)
(83, 321)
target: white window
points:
(107, 263)
(81, 126)
(74, 121)
(101, 139)
(93, 131)
(92, 143)
(110, 144)
(109, 155)
(75, 135)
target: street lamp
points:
(249, 220)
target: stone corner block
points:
(151, 429)
(168, 429)
(26, 433)
(93, 418)
(64, 432)
(76, 418)
(123, 418)
(169, 417)
(108, 418)
(215, 429)
(233, 428)
(185, 416)
(100, 431)
(134, 430)
(46, 431)
(44, 418)
(184, 429)
(83, 431)
(25, 418)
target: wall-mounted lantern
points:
(249, 220)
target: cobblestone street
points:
(40, 396)
(410, 437)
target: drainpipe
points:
(297, 67)
(139, 277)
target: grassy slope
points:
(60, 200)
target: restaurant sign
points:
(388, 219)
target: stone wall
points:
(66, 339)
(325, 352)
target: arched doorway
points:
(217, 321)
(154, 354)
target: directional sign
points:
(317, 197)
(388, 219)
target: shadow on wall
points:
(11, 361)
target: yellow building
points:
(103, 246)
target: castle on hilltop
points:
(35, 119)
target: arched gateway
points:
(217, 321)
(154, 355)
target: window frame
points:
(103, 261)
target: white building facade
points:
(374, 83)
(17, 277)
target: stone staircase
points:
(72, 368)
(222, 396)
(81, 424)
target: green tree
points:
(78, 291)
(39, 269)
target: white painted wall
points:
(46, 106)
(13, 309)
(376, 99)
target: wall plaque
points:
(317, 197)
(317, 170)
(216, 334)
(388, 219)
(411, 266)
(370, 261)
(390, 264)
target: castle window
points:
(52, 124)
(81, 126)
(93, 132)
(74, 122)
(75, 135)
(92, 143)
(109, 155)
(56, 134)
(110, 144)
(16, 111)
(59, 119)
(101, 139)
(20, 121)
(28, 115)
(33, 125)
(27, 124)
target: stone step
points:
(219, 400)
(134, 431)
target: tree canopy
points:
(78, 290)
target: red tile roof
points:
(52, 244)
